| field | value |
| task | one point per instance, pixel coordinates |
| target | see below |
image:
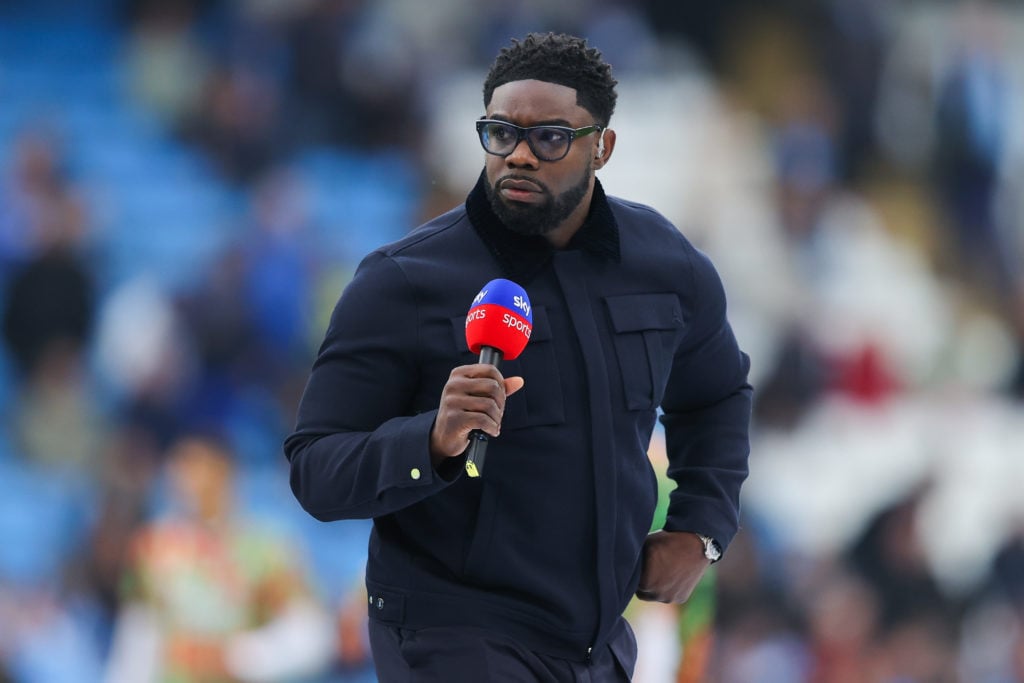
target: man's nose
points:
(522, 156)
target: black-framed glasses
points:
(548, 143)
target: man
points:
(523, 573)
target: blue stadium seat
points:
(360, 200)
(41, 522)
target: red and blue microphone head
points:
(500, 318)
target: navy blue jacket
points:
(546, 546)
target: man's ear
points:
(605, 147)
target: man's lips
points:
(518, 189)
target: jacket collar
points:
(522, 257)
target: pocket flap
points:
(636, 312)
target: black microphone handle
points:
(478, 439)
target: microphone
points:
(498, 326)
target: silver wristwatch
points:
(711, 549)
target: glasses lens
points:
(498, 138)
(549, 143)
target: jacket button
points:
(380, 603)
(415, 473)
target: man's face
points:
(531, 196)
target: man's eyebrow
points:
(548, 122)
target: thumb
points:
(513, 384)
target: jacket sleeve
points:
(358, 449)
(706, 414)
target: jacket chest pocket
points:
(646, 329)
(539, 402)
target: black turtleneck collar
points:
(521, 256)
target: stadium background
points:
(185, 187)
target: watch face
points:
(711, 550)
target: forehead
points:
(529, 102)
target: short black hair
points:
(562, 59)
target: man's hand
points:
(673, 563)
(473, 398)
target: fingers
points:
(673, 564)
(472, 399)
(479, 391)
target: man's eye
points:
(502, 133)
(551, 136)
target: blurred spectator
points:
(794, 383)
(626, 38)
(843, 620)
(889, 556)
(56, 419)
(166, 63)
(39, 208)
(125, 481)
(878, 315)
(216, 314)
(47, 322)
(236, 122)
(210, 597)
(317, 102)
(43, 224)
(973, 114)
(919, 649)
(992, 649)
(1007, 577)
(281, 264)
(145, 357)
(759, 631)
(48, 308)
(762, 646)
(805, 156)
(382, 86)
(1016, 380)
(354, 78)
(707, 26)
(852, 43)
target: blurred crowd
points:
(186, 186)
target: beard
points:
(541, 218)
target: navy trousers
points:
(471, 655)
